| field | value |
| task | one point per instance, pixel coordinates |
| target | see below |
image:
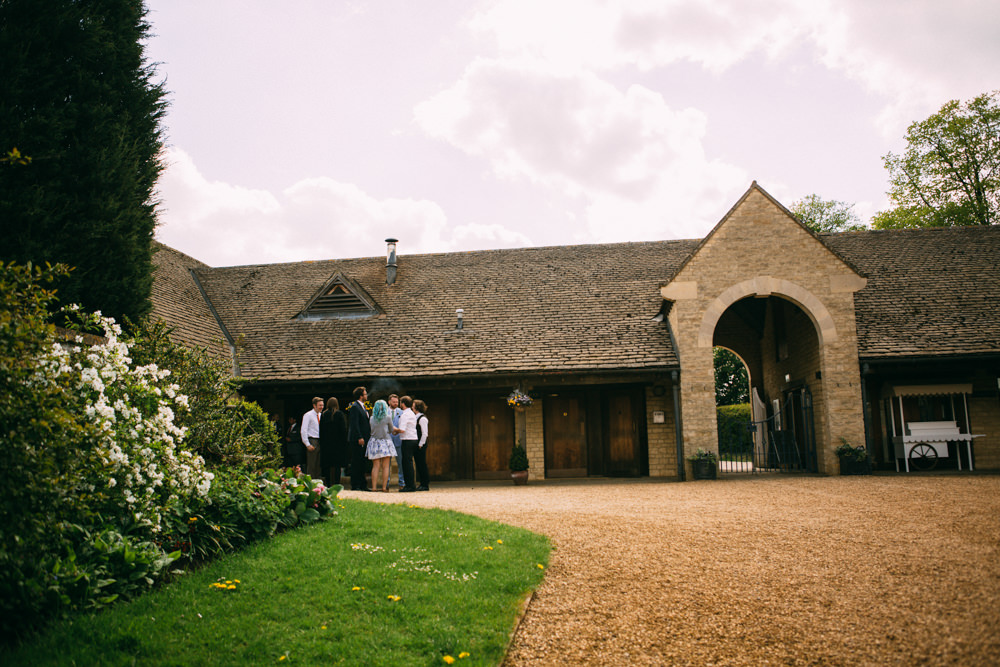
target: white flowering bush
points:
(134, 466)
(90, 459)
(104, 485)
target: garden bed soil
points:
(750, 571)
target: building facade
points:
(859, 337)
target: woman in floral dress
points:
(380, 448)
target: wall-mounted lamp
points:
(460, 313)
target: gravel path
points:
(752, 571)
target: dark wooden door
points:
(440, 441)
(492, 438)
(623, 436)
(565, 436)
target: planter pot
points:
(520, 477)
(854, 467)
(703, 469)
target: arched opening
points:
(778, 342)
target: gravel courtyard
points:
(762, 570)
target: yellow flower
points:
(487, 548)
(236, 580)
(192, 519)
(281, 658)
(322, 627)
(463, 655)
(228, 583)
(499, 541)
(541, 567)
(232, 588)
(357, 588)
(394, 598)
(448, 659)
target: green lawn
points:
(325, 594)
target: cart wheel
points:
(923, 456)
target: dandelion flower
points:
(463, 655)
(487, 548)
(322, 627)
(394, 598)
(499, 541)
(357, 588)
(448, 659)
(541, 567)
(281, 658)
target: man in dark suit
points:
(358, 432)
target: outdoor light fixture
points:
(459, 312)
(788, 378)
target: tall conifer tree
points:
(78, 97)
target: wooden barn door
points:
(440, 441)
(492, 439)
(622, 459)
(565, 436)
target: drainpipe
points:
(678, 427)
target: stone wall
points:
(661, 438)
(760, 250)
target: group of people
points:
(326, 440)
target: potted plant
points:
(519, 465)
(704, 463)
(853, 460)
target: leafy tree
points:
(732, 385)
(827, 215)
(79, 99)
(949, 174)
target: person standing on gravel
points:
(408, 435)
(310, 437)
(395, 412)
(358, 432)
(420, 453)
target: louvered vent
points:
(340, 298)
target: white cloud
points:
(906, 52)
(637, 165)
(316, 218)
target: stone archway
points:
(780, 344)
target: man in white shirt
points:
(395, 412)
(408, 436)
(310, 436)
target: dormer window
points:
(340, 298)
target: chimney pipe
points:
(390, 261)
(459, 312)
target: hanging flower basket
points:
(519, 399)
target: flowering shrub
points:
(100, 493)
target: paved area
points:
(758, 570)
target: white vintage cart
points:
(921, 443)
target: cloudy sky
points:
(314, 129)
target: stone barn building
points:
(886, 339)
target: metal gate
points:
(785, 441)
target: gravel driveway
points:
(752, 571)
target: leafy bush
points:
(735, 439)
(221, 427)
(98, 493)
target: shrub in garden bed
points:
(99, 492)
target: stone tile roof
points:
(533, 310)
(178, 301)
(930, 292)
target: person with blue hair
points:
(380, 446)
